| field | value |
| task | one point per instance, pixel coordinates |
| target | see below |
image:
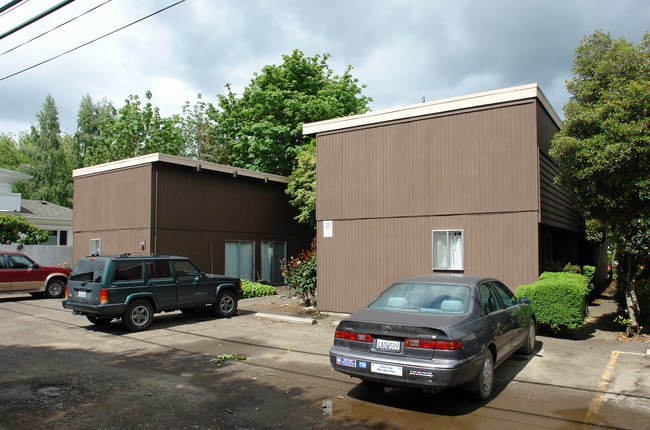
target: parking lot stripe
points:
(602, 387)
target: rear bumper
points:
(98, 310)
(418, 373)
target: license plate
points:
(81, 294)
(388, 345)
(346, 362)
(386, 369)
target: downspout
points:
(155, 212)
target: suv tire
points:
(226, 304)
(99, 320)
(55, 289)
(138, 315)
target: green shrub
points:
(254, 289)
(300, 274)
(558, 300)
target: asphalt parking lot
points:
(60, 371)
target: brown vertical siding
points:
(113, 206)
(387, 186)
(364, 256)
(557, 203)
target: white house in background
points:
(55, 219)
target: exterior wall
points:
(364, 256)
(115, 207)
(199, 211)
(386, 186)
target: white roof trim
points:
(181, 161)
(504, 95)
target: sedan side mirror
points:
(524, 301)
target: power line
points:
(58, 26)
(9, 5)
(92, 41)
(36, 18)
(4, 11)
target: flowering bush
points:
(65, 265)
(300, 274)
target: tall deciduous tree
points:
(302, 188)
(92, 140)
(46, 160)
(262, 129)
(10, 157)
(603, 149)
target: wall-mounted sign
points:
(328, 228)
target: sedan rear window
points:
(425, 298)
(88, 271)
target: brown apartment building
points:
(461, 185)
(228, 220)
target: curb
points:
(286, 318)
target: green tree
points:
(10, 157)
(197, 131)
(302, 188)
(45, 160)
(262, 129)
(92, 139)
(603, 149)
(16, 229)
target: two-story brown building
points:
(228, 220)
(461, 185)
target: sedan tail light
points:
(433, 344)
(348, 335)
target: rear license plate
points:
(81, 294)
(388, 345)
(386, 369)
(346, 362)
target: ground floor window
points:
(273, 253)
(56, 237)
(447, 249)
(240, 259)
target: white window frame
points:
(95, 246)
(448, 261)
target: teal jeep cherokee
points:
(134, 287)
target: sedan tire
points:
(481, 389)
(138, 315)
(529, 344)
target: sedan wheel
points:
(482, 387)
(529, 344)
(138, 315)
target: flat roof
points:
(469, 101)
(180, 161)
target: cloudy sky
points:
(402, 50)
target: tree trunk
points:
(631, 301)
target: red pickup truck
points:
(19, 273)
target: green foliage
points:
(16, 229)
(558, 300)
(10, 157)
(603, 149)
(300, 274)
(302, 188)
(262, 129)
(255, 289)
(223, 357)
(45, 159)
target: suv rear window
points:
(88, 270)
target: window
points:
(185, 269)
(158, 270)
(272, 255)
(127, 271)
(490, 300)
(506, 295)
(95, 246)
(447, 249)
(240, 259)
(56, 237)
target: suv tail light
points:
(103, 296)
(348, 335)
(66, 291)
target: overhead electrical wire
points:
(36, 18)
(55, 28)
(15, 6)
(92, 41)
(9, 5)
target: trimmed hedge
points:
(559, 300)
(255, 289)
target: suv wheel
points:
(226, 304)
(138, 315)
(99, 320)
(55, 289)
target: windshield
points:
(88, 271)
(425, 298)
